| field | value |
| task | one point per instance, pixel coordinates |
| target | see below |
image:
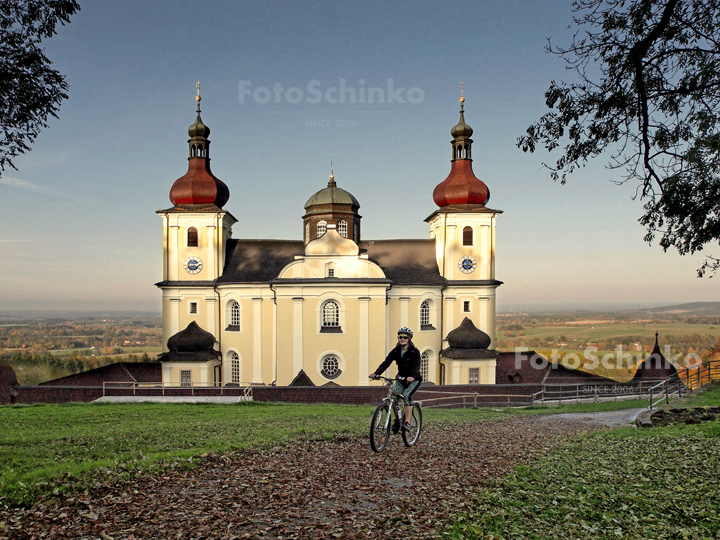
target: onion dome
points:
(468, 336)
(461, 186)
(199, 186)
(192, 344)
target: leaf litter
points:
(308, 489)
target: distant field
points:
(127, 351)
(598, 331)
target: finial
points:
(462, 97)
(198, 98)
(331, 183)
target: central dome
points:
(332, 195)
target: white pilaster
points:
(297, 335)
(173, 248)
(483, 315)
(211, 251)
(174, 317)
(404, 302)
(364, 345)
(449, 316)
(210, 305)
(257, 341)
(450, 261)
(455, 377)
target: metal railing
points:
(220, 389)
(470, 399)
(686, 380)
(590, 392)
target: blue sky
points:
(79, 229)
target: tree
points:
(30, 89)
(646, 95)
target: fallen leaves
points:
(310, 489)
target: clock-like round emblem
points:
(467, 264)
(193, 265)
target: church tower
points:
(195, 233)
(464, 231)
(331, 206)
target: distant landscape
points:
(41, 347)
(45, 346)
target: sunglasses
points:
(403, 337)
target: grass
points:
(46, 448)
(624, 483)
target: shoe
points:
(406, 425)
(396, 427)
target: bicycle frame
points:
(380, 428)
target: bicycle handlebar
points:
(379, 377)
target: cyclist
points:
(407, 358)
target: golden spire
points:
(332, 183)
(462, 97)
(198, 98)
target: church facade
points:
(329, 304)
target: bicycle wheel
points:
(380, 427)
(412, 434)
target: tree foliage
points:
(30, 89)
(646, 94)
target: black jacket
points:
(408, 364)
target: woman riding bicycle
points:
(407, 358)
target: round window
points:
(330, 367)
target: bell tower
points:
(464, 231)
(195, 233)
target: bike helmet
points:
(405, 330)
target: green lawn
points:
(48, 447)
(658, 483)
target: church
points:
(325, 307)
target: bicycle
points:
(381, 426)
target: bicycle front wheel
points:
(411, 434)
(380, 427)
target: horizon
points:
(78, 216)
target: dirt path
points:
(335, 489)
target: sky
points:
(78, 226)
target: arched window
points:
(192, 237)
(424, 313)
(427, 315)
(330, 317)
(331, 314)
(321, 228)
(233, 316)
(425, 365)
(234, 368)
(467, 236)
(357, 233)
(342, 228)
(307, 232)
(330, 367)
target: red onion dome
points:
(461, 186)
(199, 185)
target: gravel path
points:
(332, 489)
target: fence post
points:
(577, 394)
(508, 401)
(475, 399)
(667, 394)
